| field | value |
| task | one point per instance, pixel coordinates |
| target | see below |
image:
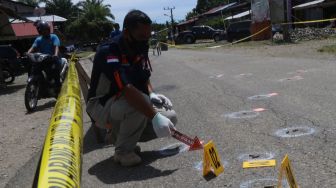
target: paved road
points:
(207, 87)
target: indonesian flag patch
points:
(112, 59)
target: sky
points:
(153, 8)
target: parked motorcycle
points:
(7, 72)
(44, 79)
(12, 68)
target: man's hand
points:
(155, 98)
(160, 99)
(162, 125)
(165, 100)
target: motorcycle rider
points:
(48, 43)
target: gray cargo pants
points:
(129, 126)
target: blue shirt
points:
(47, 45)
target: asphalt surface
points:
(207, 87)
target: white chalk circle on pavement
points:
(263, 182)
(241, 115)
(295, 78)
(216, 76)
(293, 132)
(199, 165)
(256, 156)
(301, 71)
(173, 149)
(262, 96)
(243, 75)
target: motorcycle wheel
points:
(216, 38)
(8, 76)
(31, 94)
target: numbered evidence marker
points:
(287, 168)
(259, 163)
(211, 159)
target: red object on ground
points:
(194, 144)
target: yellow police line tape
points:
(308, 21)
(173, 45)
(257, 33)
(62, 152)
(303, 22)
(181, 47)
(262, 30)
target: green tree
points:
(205, 5)
(94, 22)
(63, 8)
(95, 10)
(30, 2)
(191, 14)
(158, 27)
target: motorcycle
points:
(12, 68)
(45, 79)
(8, 75)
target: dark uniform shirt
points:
(113, 69)
(115, 33)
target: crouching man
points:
(121, 95)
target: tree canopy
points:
(64, 8)
(30, 2)
(93, 22)
(203, 6)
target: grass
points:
(328, 49)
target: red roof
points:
(23, 30)
(218, 9)
(188, 21)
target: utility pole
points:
(288, 17)
(172, 22)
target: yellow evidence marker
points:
(259, 163)
(287, 168)
(211, 159)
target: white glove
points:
(155, 98)
(162, 126)
(165, 100)
(160, 99)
